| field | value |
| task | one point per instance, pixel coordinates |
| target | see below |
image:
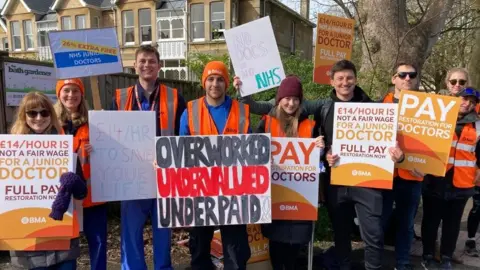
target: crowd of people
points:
(288, 115)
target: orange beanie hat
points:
(74, 81)
(215, 68)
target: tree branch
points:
(458, 29)
(345, 9)
(420, 7)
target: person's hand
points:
(88, 148)
(332, 159)
(417, 173)
(396, 153)
(237, 83)
(319, 142)
(154, 165)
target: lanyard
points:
(152, 107)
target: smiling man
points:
(148, 94)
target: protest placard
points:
(122, 159)
(36, 244)
(426, 123)
(362, 136)
(85, 52)
(255, 57)
(213, 180)
(23, 78)
(295, 178)
(334, 43)
(30, 170)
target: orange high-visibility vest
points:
(402, 173)
(200, 121)
(272, 126)
(80, 139)
(167, 102)
(462, 156)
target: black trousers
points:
(283, 255)
(236, 250)
(449, 212)
(368, 204)
(474, 215)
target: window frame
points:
(140, 27)
(13, 35)
(62, 22)
(125, 27)
(96, 21)
(212, 33)
(192, 34)
(172, 16)
(28, 36)
(292, 38)
(84, 21)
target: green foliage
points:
(323, 226)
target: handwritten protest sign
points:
(122, 160)
(85, 52)
(426, 124)
(334, 43)
(295, 178)
(362, 135)
(213, 180)
(30, 170)
(255, 57)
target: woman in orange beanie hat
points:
(72, 111)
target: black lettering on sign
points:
(189, 211)
(223, 204)
(164, 211)
(199, 205)
(209, 211)
(234, 210)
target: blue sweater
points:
(219, 115)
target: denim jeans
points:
(406, 195)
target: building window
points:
(234, 14)
(128, 28)
(217, 17)
(28, 35)
(96, 22)
(5, 44)
(66, 23)
(16, 37)
(145, 25)
(197, 22)
(80, 22)
(292, 39)
(170, 24)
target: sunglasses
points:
(403, 75)
(460, 82)
(34, 114)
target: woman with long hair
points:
(456, 80)
(72, 111)
(287, 237)
(36, 116)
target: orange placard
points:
(426, 123)
(35, 244)
(334, 42)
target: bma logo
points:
(417, 160)
(33, 220)
(361, 173)
(232, 130)
(288, 208)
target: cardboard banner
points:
(295, 178)
(334, 42)
(30, 170)
(85, 52)
(255, 57)
(362, 135)
(23, 78)
(36, 244)
(122, 159)
(213, 180)
(426, 124)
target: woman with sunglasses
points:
(456, 80)
(72, 111)
(36, 116)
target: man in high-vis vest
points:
(407, 184)
(444, 198)
(147, 94)
(217, 114)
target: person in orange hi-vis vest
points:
(217, 114)
(444, 198)
(72, 111)
(407, 184)
(36, 116)
(148, 94)
(287, 237)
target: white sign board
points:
(22, 78)
(123, 154)
(255, 57)
(30, 170)
(85, 52)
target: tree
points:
(474, 67)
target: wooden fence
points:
(106, 84)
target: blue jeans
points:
(406, 195)
(134, 216)
(68, 265)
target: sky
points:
(1, 3)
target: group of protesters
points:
(288, 115)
